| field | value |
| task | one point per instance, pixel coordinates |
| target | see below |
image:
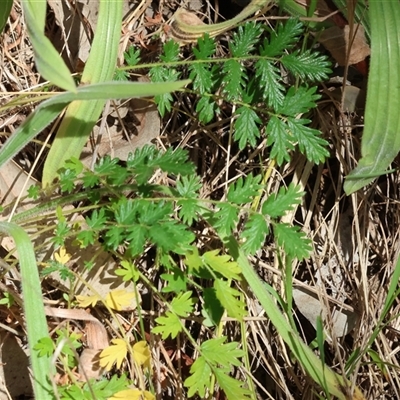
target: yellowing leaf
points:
(62, 256)
(132, 394)
(118, 299)
(87, 301)
(113, 354)
(141, 354)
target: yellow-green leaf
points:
(118, 299)
(113, 354)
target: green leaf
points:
(189, 186)
(221, 354)
(230, 299)
(253, 235)
(212, 307)
(200, 379)
(132, 56)
(269, 79)
(170, 325)
(246, 128)
(49, 63)
(221, 264)
(307, 65)
(182, 304)
(277, 205)
(225, 219)
(244, 190)
(207, 108)
(234, 79)
(245, 39)
(177, 281)
(193, 260)
(171, 236)
(170, 52)
(232, 387)
(5, 8)
(294, 242)
(283, 38)
(128, 271)
(309, 140)
(188, 210)
(35, 319)
(298, 101)
(279, 138)
(44, 347)
(205, 48)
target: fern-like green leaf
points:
(244, 190)
(307, 65)
(207, 108)
(293, 241)
(200, 379)
(277, 205)
(218, 353)
(280, 140)
(310, 142)
(269, 80)
(182, 304)
(245, 39)
(246, 128)
(168, 326)
(283, 38)
(233, 388)
(253, 235)
(230, 299)
(298, 101)
(234, 79)
(225, 219)
(222, 264)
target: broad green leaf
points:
(381, 136)
(49, 63)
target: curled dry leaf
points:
(341, 45)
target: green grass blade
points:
(331, 382)
(48, 62)
(381, 137)
(80, 117)
(5, 8)
(51, 108)
(36, 325)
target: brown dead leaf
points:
(337, 41)
(89, 365)
(141, 124)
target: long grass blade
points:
(48, 111)
(48, 62)
(5, 8)
(381, 137)
(36, 325)
(333, 383)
